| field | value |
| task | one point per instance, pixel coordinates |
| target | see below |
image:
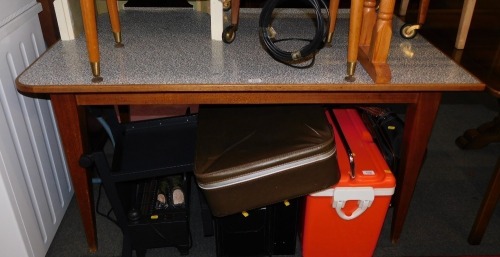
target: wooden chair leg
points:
(333, 8)
(355, 21)
(403, 7)
(115, 21)
(369, 20)
(373, 57)
(423, 8)
(235, 12)
(487, 207)
(90, 28)
(465, 20)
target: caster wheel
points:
(409, 31)
(228, 34)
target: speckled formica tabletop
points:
(173, 47)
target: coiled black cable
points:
(306, 52)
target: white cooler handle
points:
(364, 196)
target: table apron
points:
(246, 98)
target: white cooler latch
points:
(364, 196)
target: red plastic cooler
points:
(346, 219)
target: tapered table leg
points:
(90, 28)
(333, 8)
(355, 21)
(71, 122)
(419, 120)
(115, 21)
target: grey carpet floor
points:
(448, 193)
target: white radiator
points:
(35, 187)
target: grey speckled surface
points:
(173, 46)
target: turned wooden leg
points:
(382, 34)
(90, 28)
(115, 21)
(374, 57)
(353, 40)
(487, 207)
(333, 8)
(369, 19)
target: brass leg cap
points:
(118, 39)
(96, 79)
(329, 38)
(96, 72)
(351, 68)
(350, 78)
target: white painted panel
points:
(34, 179)
(69, 18)
(12, 191)
(13, 8)
(216, 19)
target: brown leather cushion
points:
(254, 155)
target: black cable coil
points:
(306, 52)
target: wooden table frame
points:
(421, 114)
(422, 100)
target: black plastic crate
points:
(160, 226)
(271, 230)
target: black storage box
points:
(160, 226)
(270, 230)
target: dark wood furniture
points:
(477, 138)
(48, 22)
(487, 207)
(179, 64)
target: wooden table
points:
(176, 62)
